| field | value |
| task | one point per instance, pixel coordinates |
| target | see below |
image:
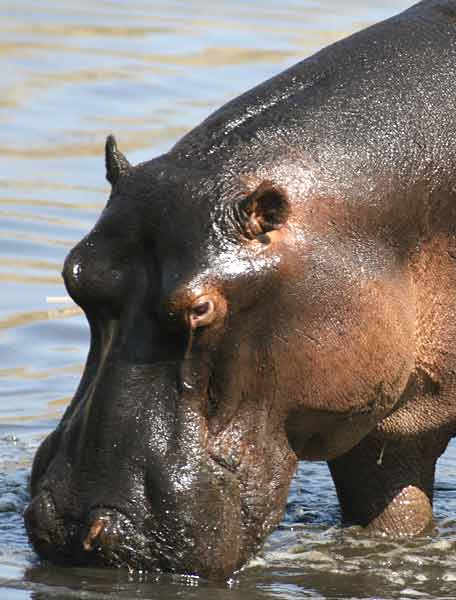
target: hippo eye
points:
(264, 210)
(202, 312)
(201, 309)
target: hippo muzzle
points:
(137, 472)
(127, 480)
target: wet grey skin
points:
(278, 286)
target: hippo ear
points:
(116, 163)
(265, 209)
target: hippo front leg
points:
(387, 484)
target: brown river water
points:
(72, 72)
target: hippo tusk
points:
(95, 532)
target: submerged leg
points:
(387, 486)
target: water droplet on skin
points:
(76, 270)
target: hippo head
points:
(211, 331)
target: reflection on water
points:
(72, 73)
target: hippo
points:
(279, 286)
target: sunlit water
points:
(73, 72)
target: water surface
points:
(72, 72)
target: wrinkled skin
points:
(279, 286)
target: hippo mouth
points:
(106, 538)
(140, 539)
